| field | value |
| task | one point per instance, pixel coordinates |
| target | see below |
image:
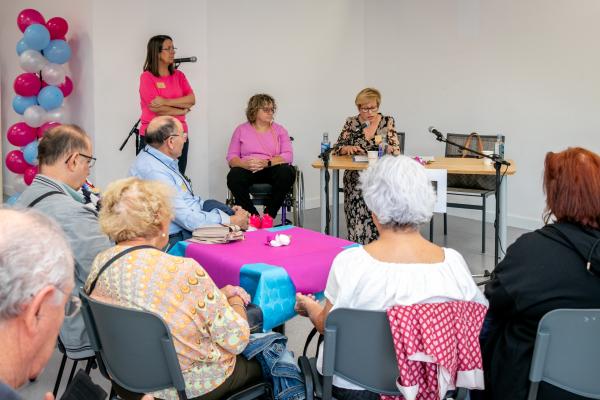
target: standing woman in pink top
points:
(164, 90)
(260, 151)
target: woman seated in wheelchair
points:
(260, 151)
(208, 324)
(400, 267)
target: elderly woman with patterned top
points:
(401, 267)
(209, 326)
(260, 151)
(361, 133)
(164, 90)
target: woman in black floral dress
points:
(354, 140)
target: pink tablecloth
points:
(307, 259)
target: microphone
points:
(437, 133)
(184, 60)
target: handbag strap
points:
(468, 142)
(112, 260)
(42, 197)
(312, 334)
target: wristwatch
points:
(269, 163)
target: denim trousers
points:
(278, 364)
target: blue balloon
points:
(20, 103)
(12, 200)
(58, 51)
(50, 97)
(21, 46)
(30, 152)
(36, 37)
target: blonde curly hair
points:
(135, 208)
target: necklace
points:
(275, 140)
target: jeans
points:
(278, 364)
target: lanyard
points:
(186, 180)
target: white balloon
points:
(53, 74)
(57, 115)
(34, 116)
(32, 61)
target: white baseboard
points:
(515, 221)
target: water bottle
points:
(325, 144)
(499, 146)
(382, 146)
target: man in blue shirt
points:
(158, 161)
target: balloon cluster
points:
(40, 91)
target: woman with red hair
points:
(557, 266)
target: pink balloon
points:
(66, 87)
(46, 127)
(29, 174)
(20, 134)
(28, 84)
(29, 16)
(15, 162)
(57, 27)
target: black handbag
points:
(255, 318)
(470, 181)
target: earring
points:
(163, 235)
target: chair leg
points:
(445, 224)
(483, 226)
(431, 229)
(73, 368)
(89, 365)
(60, 373)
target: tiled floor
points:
(464, 235)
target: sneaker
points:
(254, 221)
(267, 221)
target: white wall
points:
(528, 70)
(307, 54)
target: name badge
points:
(161, 85)
(378, 139)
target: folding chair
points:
(566, 352)
(135, 350)
(358, 347)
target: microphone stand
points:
(325, 157)
(498, 163)
(133, 130)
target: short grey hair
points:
(34, 253)
(160, 130)
(398, 192)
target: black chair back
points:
(135, 347)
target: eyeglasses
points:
(368, 110)
(73, 304)
(184, 135)
(170, 49)
(268, 110)
(90, 160)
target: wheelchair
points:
(294, 200)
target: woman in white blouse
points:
(399, 268)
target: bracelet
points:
(237, 304)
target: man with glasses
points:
(65, 158)
(36, 281)
(158, 161)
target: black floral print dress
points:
(361, 228)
